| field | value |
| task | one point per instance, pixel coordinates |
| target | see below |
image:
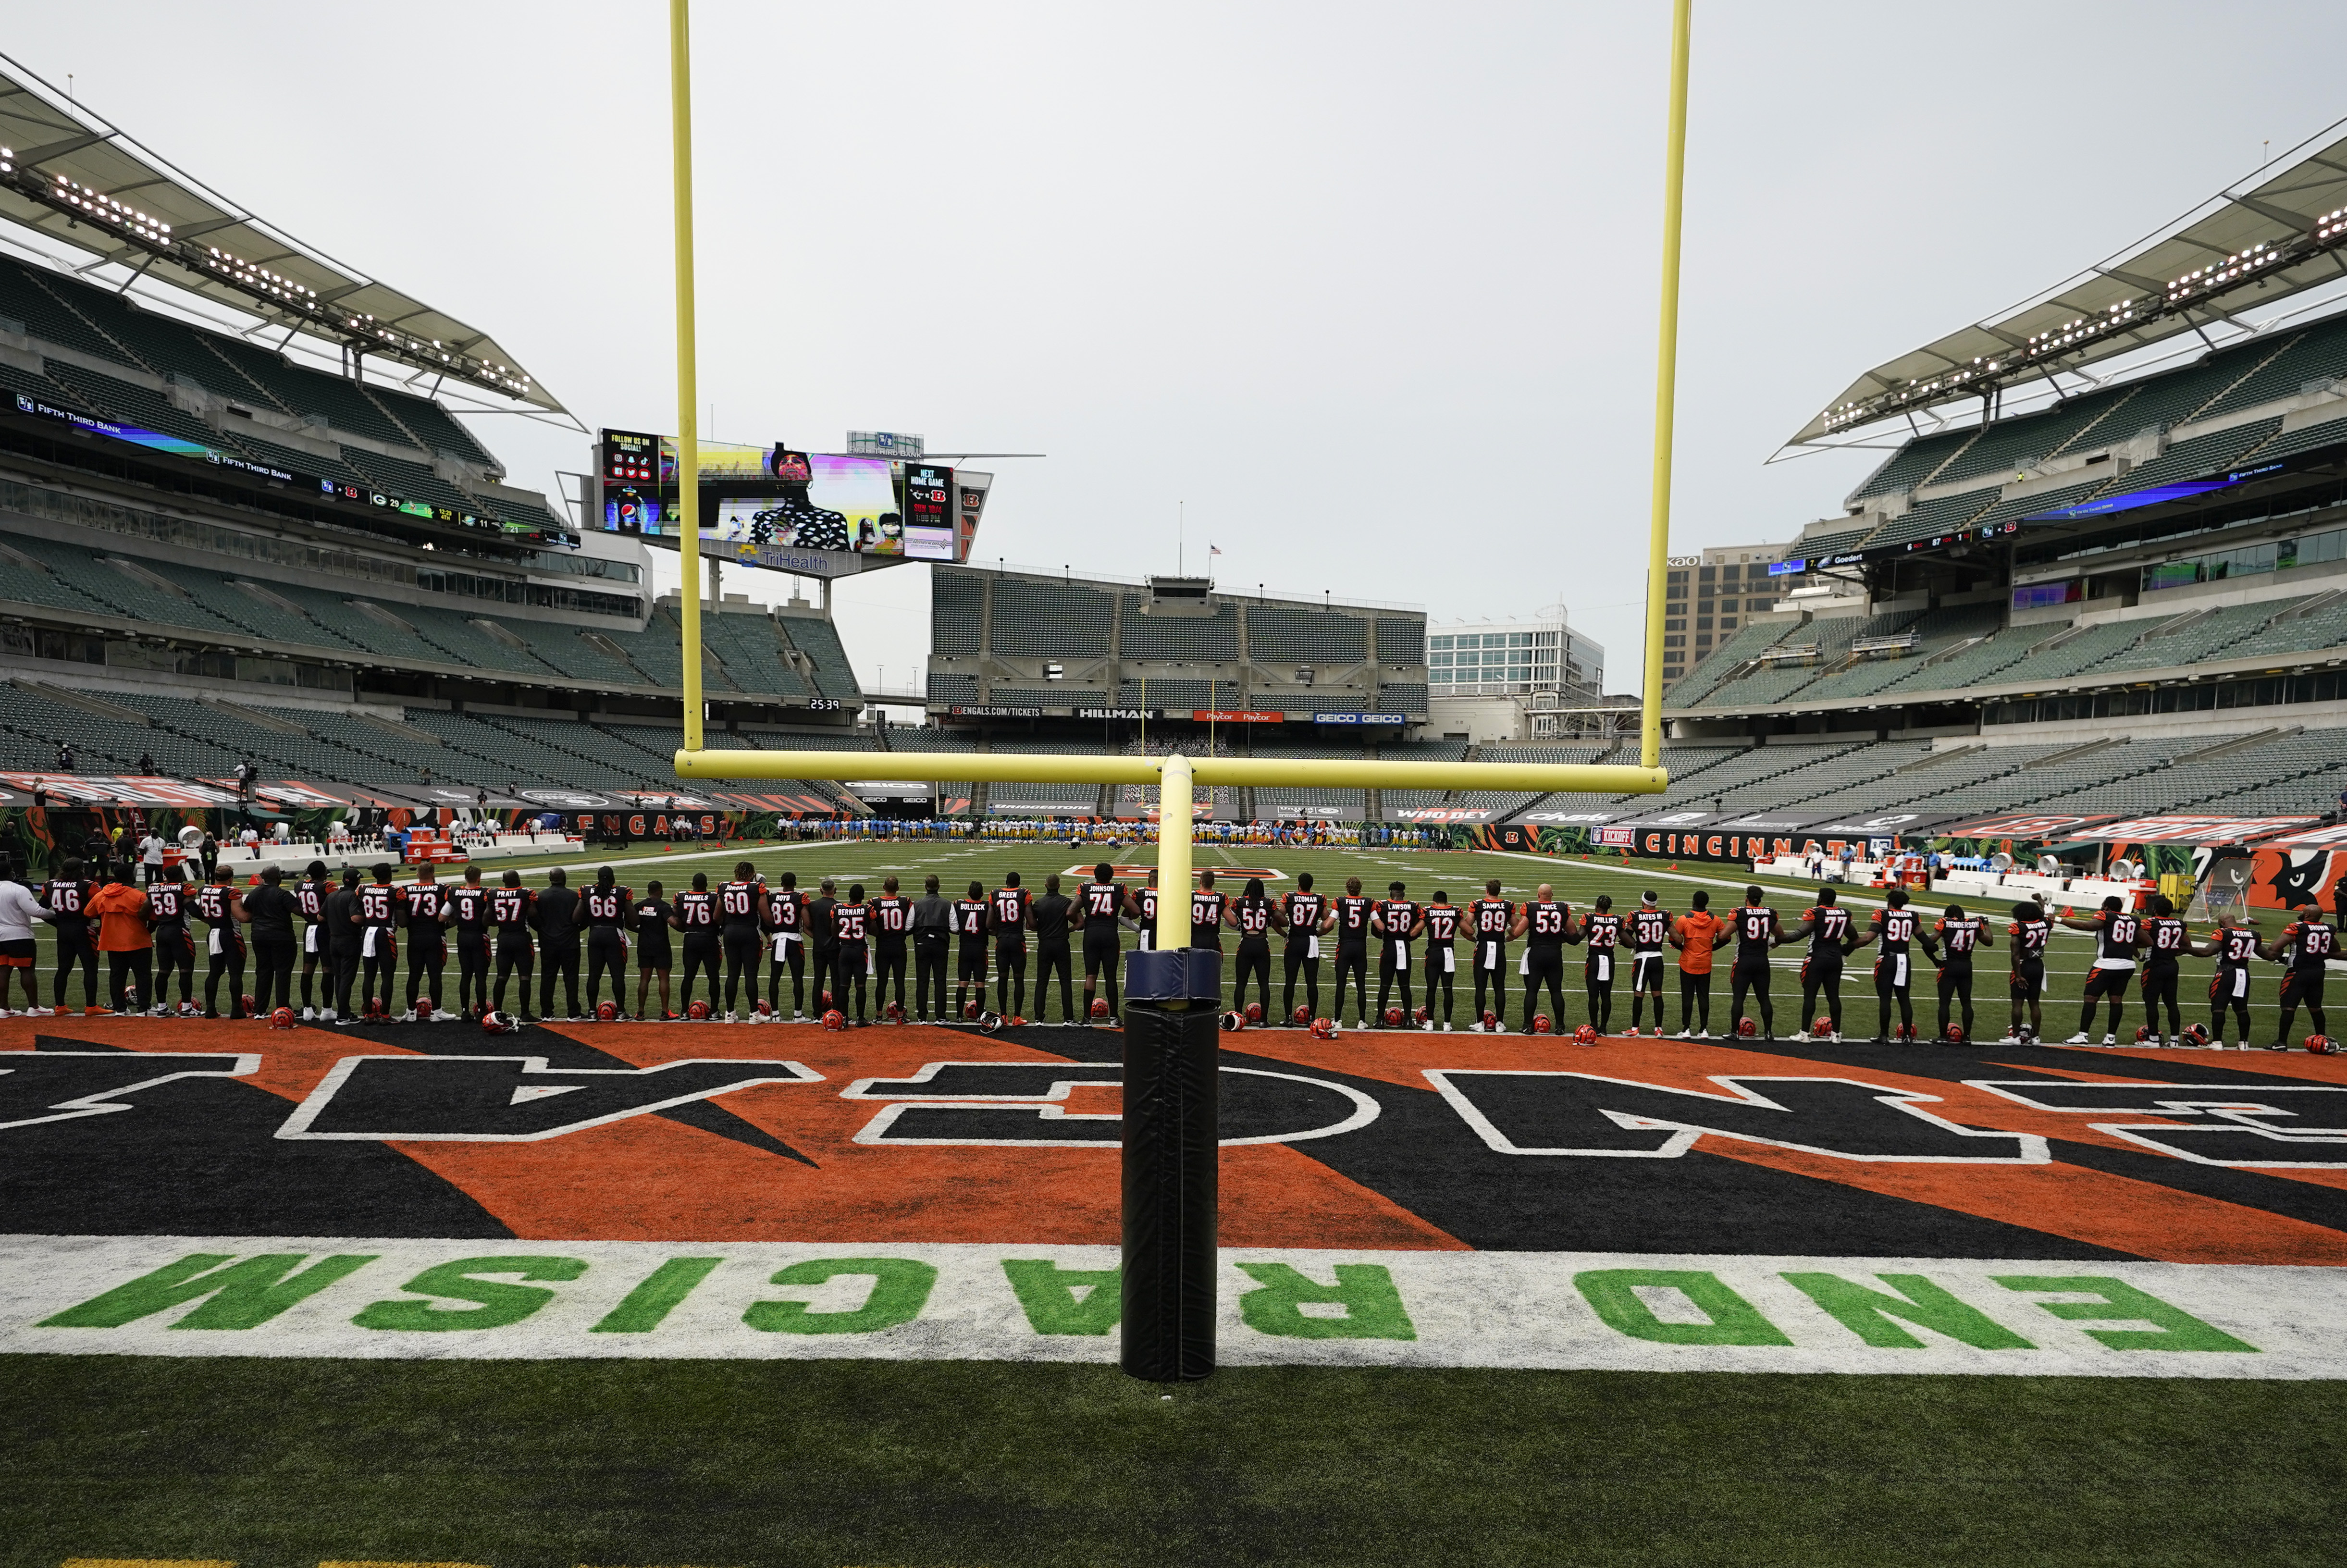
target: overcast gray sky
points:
(1370, 287)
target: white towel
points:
(366, 943)
(1311, 946)
(1605, 965)
(309, 940)
(1449, 962)
(218, 943)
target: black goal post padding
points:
(1170, 1189)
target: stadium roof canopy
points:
(75, 179)
(2254, 243)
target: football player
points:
(1601, 929)
(1544, 924)
(1007, 918)
(1394, 922)
(1826, 925)
(1350, 918)
(891, 925)
(1893, 932)
(1491, 917)
(2233, 944)
(2307, 945)
(1694, 934)
(1757, 932)
(2117, 935)
(2166, 939)
(1100, 905)
(1650, 928)
(606, 905)
(1950, 945)
(2025, 983)
(1303, 915)
(1441, 925)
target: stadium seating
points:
(128, 402)
(1724, 662)
(2008, 444)
(1402, 640)
(953, 690)
(1912, 464)
(1939, 630)
(1039, 696)
(1169, 692)
(1304, 637)
(2314, 354)
(1941, 513)
(1050, 620)
(819, 640)
(1210, 638)
(1407, 698)
(48, 315)
(956, 612)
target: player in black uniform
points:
(852, 921)
(427, 947)
(1826, 925)
(2117, 935)
(786, 930)
(556, 919)
(2307, 945)
(1757, 932)
(606, 906)
(1441, 922)
(343, 946)
(1050, 915)
(1601, 929)
(1394, 922)
(1543, 924)
(2233, 944)
(221, 909)
(741, 912)
(1008, 919)
(2030, 932)
(1099, 905)
(1950, 945)
(1144, 905)
(695, 918)
(2166, 939)
(1303, 915)
(969, 916)
(381, 909)
(1252, 915)
(1208, 909)
(310, 896)
(823, 942)
(1893, 931)
(509, 912)
(1351, 915)
(932, 936)
(67, 896)
(652, 918)
(892, 923)
(1491, 918)
(270, 909)
(1646, 929)
(469, 911)
(167, 918)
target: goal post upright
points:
(1667, 359)
(687, 390)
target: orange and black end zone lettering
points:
(1400, 1140)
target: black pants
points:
(848, 976)
(1439, 963)
(2301, 987)
(2230, 990)
(740, 946)
(514, 952)
(315, 955)
(1053, 959)
(472, 970)
(1103, 954)
(796, 963)
(1253, 962)
(701, 956)
(607, 953)
(1894, 974)
(1956, 984)
(1010, 979)
(1544, 966)
(230, 962)
(557, 960)
(1694, 1002)
(888, 964)
(174, 951)
(826, 962)
(929, 955)
(342, 974)
(75, 946)
(1646, 979)
(1820, 972)
(1494, 975)
(272, 984)
(1752, 977)
(1352, 959)
(1598, 982)
(1296, 960)
(428, 964)
(2159, 985)
(970, 969)
(381, 972)
(2113, 983)
(126, 968)
(1393, 964)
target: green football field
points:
(1004, 1465)
(1461, 873)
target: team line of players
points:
(351, 932)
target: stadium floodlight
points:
(1175, 1325)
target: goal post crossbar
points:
(997, 767)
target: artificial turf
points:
(285, 1464)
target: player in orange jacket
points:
(124, 938)
(1692, 934)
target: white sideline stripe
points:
(1467, 1309)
